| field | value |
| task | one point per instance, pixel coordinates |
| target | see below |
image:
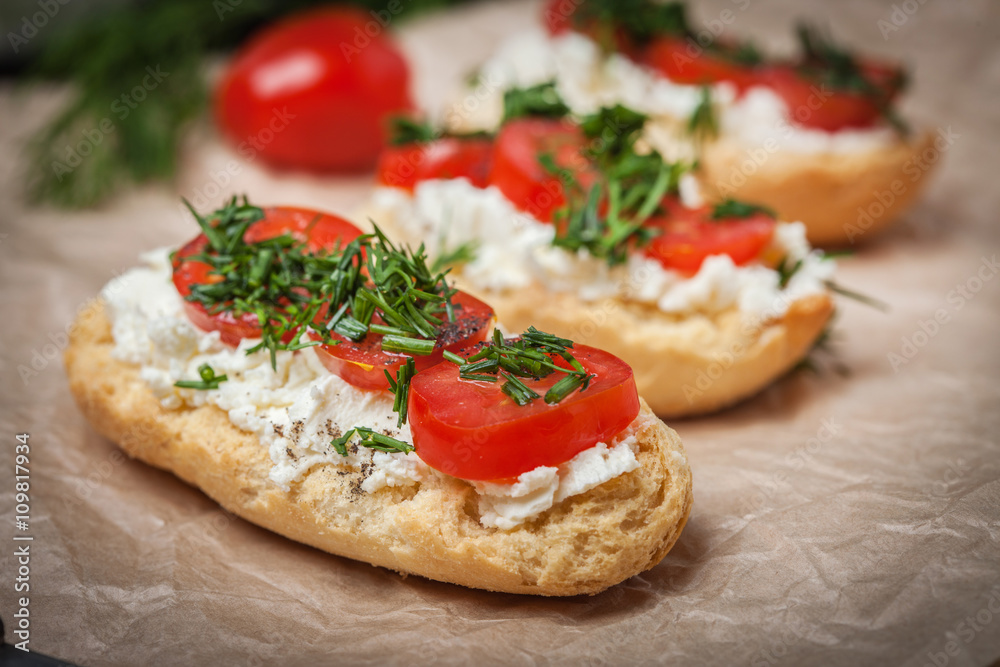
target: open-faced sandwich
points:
(331, 386)
(576, 224)
(816, 138)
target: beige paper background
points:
(871, 546)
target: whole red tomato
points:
(313, 91)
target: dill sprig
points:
(869, 301)
(105, 56)
(209, 380)
(368, 285)
(643, 21)
(278, 279)
(733, 208)
(608, 218)
(825, 61)
(539, 101)
(787, 269)
(532, 355)
(404, 130)
(463, 253)
(411, 300)
(366, 437)
(703, 124)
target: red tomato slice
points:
(450, 157)
(362, 364)
(520, 176)
(688, 236)
(314, 91)
(815, 105)
(320, 231)
(558, 15)
(671, 58)
(471, 429)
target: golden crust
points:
(583, 545)
(683, 365)
(841, 197)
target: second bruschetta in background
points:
(817, 138)
(577, 225)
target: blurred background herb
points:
(113, 54)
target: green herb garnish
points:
(279, 280)
(836, 67)
(732, 208)
(877, 304)
(136, 76)
(608, 218)
(703, 125)
(540, 101)
(787, 269)
(460, 254)
(209, 380)
(641, 20)
(405, 130)
(372, 440)
(528, 356)
(291, 289)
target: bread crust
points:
(842, 198)
(582, 545)
(683, 366)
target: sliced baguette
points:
(582, 545)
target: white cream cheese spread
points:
(297, 408)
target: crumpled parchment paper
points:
(837, 520)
